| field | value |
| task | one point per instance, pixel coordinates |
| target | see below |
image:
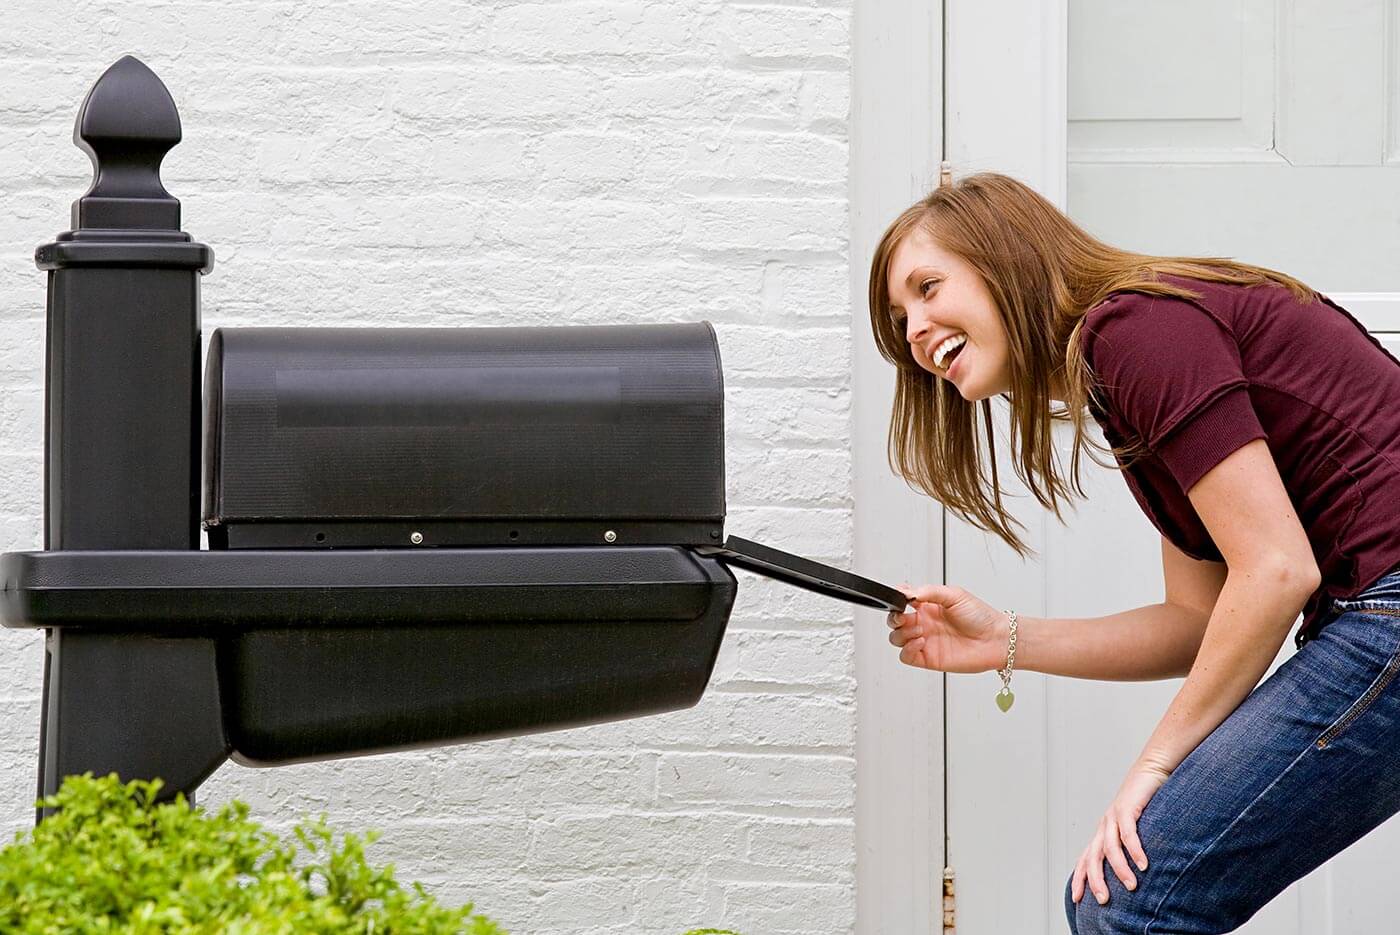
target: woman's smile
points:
(958, 359)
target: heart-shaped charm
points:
(1004, 699)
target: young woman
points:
(1258, 426)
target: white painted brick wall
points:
(390, 162)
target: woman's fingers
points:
(1088, 871)
(1117, 830)
(1128, 826)
(1096, 880)
(1113, 847)
(895, 617)
(904, 635)
(905, 627)
(907, 631)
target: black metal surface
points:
(138, 704)
(123, 378)
(310, 693)
(121, 446)
(189, 592)
(126, 125)
(573, 429)
(338, 653)
(368, 534)
(805, 573)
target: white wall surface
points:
(487, 163)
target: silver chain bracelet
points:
(1005, 697)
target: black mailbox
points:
(582, 466)
(417, 536)
(379, 437)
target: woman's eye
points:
(926, 285)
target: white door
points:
(1267, 131)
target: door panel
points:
(1285, 162)
(1190, 79)
(1256, 129)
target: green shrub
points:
(111, 860)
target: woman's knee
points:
(1121, 915)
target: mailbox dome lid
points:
(570, 430)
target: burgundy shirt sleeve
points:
(1173, 373)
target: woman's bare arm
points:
(1158, 641)
(1154, 642)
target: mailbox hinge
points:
(950, 902)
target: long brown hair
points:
(1043, 272)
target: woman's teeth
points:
(940, 353)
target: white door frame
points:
(1005, 111)
(1007, 88)
(896, 142)
(1006, 79)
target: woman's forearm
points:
(1158, 641)
(1251, 620)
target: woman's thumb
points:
(935, 593)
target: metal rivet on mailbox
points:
(416, 538)
(610, 536)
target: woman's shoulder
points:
(1202, 297)
(1206, 294)
(1118, 299)
(1124, 303)
(1126, 320)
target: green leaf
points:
(113, 861)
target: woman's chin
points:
(972, 392)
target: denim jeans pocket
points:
(1387, 675)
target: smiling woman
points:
(1246, 413)
(990, 258)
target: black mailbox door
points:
(805, 573)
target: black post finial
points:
(126, 125)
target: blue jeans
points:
(1308, 763)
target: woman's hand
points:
(950, 630)
(1117, 829)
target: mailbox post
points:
(121, 441)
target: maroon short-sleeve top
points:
(1196, 380)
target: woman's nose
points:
(916, 329)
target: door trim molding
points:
(1007, 90)
(896, 143)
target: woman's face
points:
(936, 295)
